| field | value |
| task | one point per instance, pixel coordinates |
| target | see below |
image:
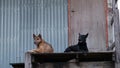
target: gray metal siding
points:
(19, 19)
(89, 17)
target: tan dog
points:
(42, 46)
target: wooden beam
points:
(33, 60)
(65, 57)
(117, 38)
(117, 33)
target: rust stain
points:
(69, 22)
(106, 18)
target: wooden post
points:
(117, 38)
(117, 33)
(28, 62)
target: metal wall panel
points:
(89, 17)
(19, 19)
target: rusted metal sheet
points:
(88, 16)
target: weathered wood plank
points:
(28, 60)
(117, 38)
(65, 57)
(117, 33)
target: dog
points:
(42, 45)
(81, 46)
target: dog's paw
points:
(31, 51)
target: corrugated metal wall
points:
(19, 19)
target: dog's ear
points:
(79, 34)
(34, 35)
(39, 36)
(86, 35)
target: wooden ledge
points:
(64, 57)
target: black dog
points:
(80, 47)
